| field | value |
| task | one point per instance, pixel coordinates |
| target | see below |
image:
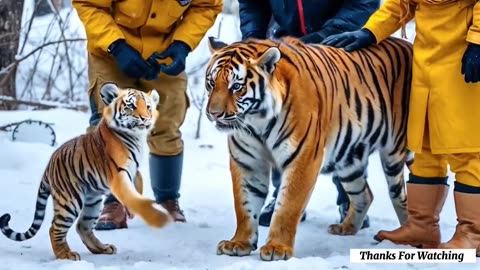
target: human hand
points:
(178, 52)
(471, 63)
(128, 60)
(351, 41)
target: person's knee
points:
(166, 138)
(429, 166)
(466, 168)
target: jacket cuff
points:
(473, 36)
(255, 34)
(184, 46)
(377, 32)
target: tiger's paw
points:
(70, 255)
(342, 229)
(275, 252)
(107, 249)
(235, 248)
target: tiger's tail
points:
(152, 213)
(42, 197)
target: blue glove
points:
(314, 37)
(471, 63)
(129, 60)
(351, 41)
(178, 52)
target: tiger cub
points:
(83, 169)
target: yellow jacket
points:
(147, 25)
(440, 98)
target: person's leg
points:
(467, 201)
(165, 141)
(427, 190)
(100, 71)
(266, 215)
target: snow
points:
(206, 195)
(208, 203)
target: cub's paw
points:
(342, 229)
(235, 248)
(275, 252)
(70, 255)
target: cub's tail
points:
(42, 197)
(152, 213)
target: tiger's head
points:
(129, 110)
(238, 83)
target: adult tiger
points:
(83, 169)
(289, 105)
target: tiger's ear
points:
(268, 59)
(154, 96)
(214, 44)
(109, 92)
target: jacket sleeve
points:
(254, 18)
(386, 20)
(197, 20)
(351, 16)
(473, 35)
(99, 25)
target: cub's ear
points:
(154, 96)
(268, 59)
(109, 92)
(214, 44)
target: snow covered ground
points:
(208, 203)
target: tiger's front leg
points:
(250, 188)
(297, 185)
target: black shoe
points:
(343, 209)
(267, 213)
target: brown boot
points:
(174, 210)
(425, 202)
(114, 216)
(467, 233)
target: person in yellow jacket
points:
(443, 126)
(144, 45)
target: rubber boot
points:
(467, 232)
(166, 176)
(426, 197)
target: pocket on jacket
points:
(468, 16)
(175, 8)
(130, 14)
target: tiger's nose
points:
(215, 115)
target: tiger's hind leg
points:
(393, 164)
(361, 197)
(88, 218)
(64, 217)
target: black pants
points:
(342, 196)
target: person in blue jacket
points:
(312, 21)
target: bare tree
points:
(10, 24)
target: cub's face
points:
(237, 84)
(130, 109)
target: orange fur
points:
(314, 91)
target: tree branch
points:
(43, 105)
(6, 69)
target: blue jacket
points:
(323, 17)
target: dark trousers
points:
(342, 196)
